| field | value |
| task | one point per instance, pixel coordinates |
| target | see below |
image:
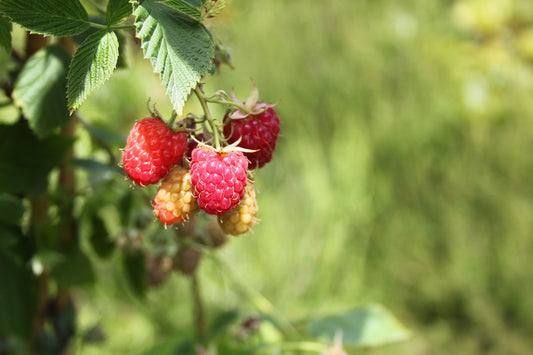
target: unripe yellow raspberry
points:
(174, 201)
(242, 218)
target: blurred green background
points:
(403, 174)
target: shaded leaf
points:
(118, 11)
(25, 160)
(181, 50)
(74, 269)
(102, 244)
(11, 209)
(40, 89)
(94, 62)
(5, 33)
(135, 269)
(95, 166)
(371, 325)
(49, 17)
(18, 297)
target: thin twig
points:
(199, 316)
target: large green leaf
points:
(49, 17)
(18, 297)
(40, 89)
(371, 325)
(5, 33)
(25, 160)
(118, 11)
(94, 62)
(181, 50)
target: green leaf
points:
(118, 11)
(11, 209)
(5, 33)
(102, 244)
(25, 160)
(94, 62)
(74, 269)
(135, 269)
(185, 8)
(18, 297)
(371, 325)
(40, 89)
(49, 17)
(180, 49)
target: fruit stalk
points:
(199, 315)
(208, 117)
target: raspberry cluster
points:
(213, 175)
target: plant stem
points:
(199, 316)
(256, 298)
(111, 28)
(208, 117)
(172, 119)
(230, 103)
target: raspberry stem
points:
(209, 118)
(172, 119)
(228, 103)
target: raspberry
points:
(151, 150)
(218, 179)
(187, 260)
(242, 218)
(216, 235)
(258, 132)
(174, 202)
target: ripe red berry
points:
(258, 132)
(218, 179)
(174, 201)
(151, 150)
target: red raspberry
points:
(151, 150)
(218, 179)
(174, 202)
(257, 132)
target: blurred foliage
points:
(401, 177)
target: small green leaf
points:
(181, 50)
(5, 33)
(185, 8)
(371, 325)
(11, 209)
(25, 160)
(135, 269)
(94, 62)
(49, 17)
(40, 89)
(102, 244)
(118, 11)
(74, 269)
